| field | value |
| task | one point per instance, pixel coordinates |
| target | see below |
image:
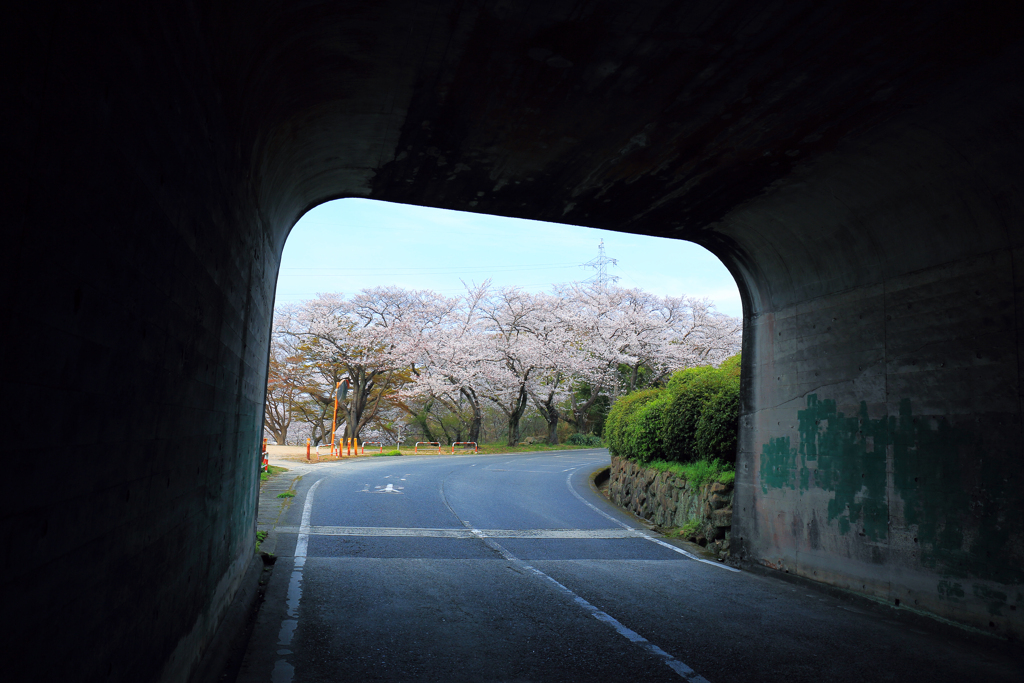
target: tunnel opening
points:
(403, 257)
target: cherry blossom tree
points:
(452, 364)
(372, 340)
(282, 393)
(439, 359)
(636, 339)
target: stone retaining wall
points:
(670, 501)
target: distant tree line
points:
(481, 365)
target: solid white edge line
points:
(640, 533)
(302, 542)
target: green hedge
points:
(644, 431)
(621, 414)
(696, 417)
(584, 440)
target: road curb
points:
(223, 657)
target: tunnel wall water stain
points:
(964, 516)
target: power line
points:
(282, 296)
(444, 269)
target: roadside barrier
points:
(266, 463)
(437, 444)
(366, 443)
(476, 448)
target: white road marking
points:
(390, 488)
(679, 667)
(632, 636)
(283, 670)
(420, 532)
(307, 512)
(643, 534)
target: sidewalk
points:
(271, 508)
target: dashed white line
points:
(629, 634)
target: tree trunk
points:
(581, 411)
(553, 430)
(420, 419)
(514, 416)
(551, 414)
(280, 433)
(478, 416)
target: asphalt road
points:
(511, 568)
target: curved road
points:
(511, 568)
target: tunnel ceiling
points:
(651, 116)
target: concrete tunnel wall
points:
(881, 444)
(859, 177)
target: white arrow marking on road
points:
(390, 488)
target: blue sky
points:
(348, 244)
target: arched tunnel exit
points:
(855, 166)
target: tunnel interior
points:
(855, 165)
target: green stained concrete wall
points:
(964, 515)
(881, 435)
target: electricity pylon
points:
(600, 264)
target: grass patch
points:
(286, 494)
(271, 471)
(690, 528)
(384, 454)
(260, 537)
(697, 473)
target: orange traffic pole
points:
(307, 450)
(334, 419)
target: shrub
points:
(715, 436)
(643, 437)
(682, 378)
(730, 367)
(584, 440)
(695, 418)
(689, 401)
(620, 415)
(704, 399)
